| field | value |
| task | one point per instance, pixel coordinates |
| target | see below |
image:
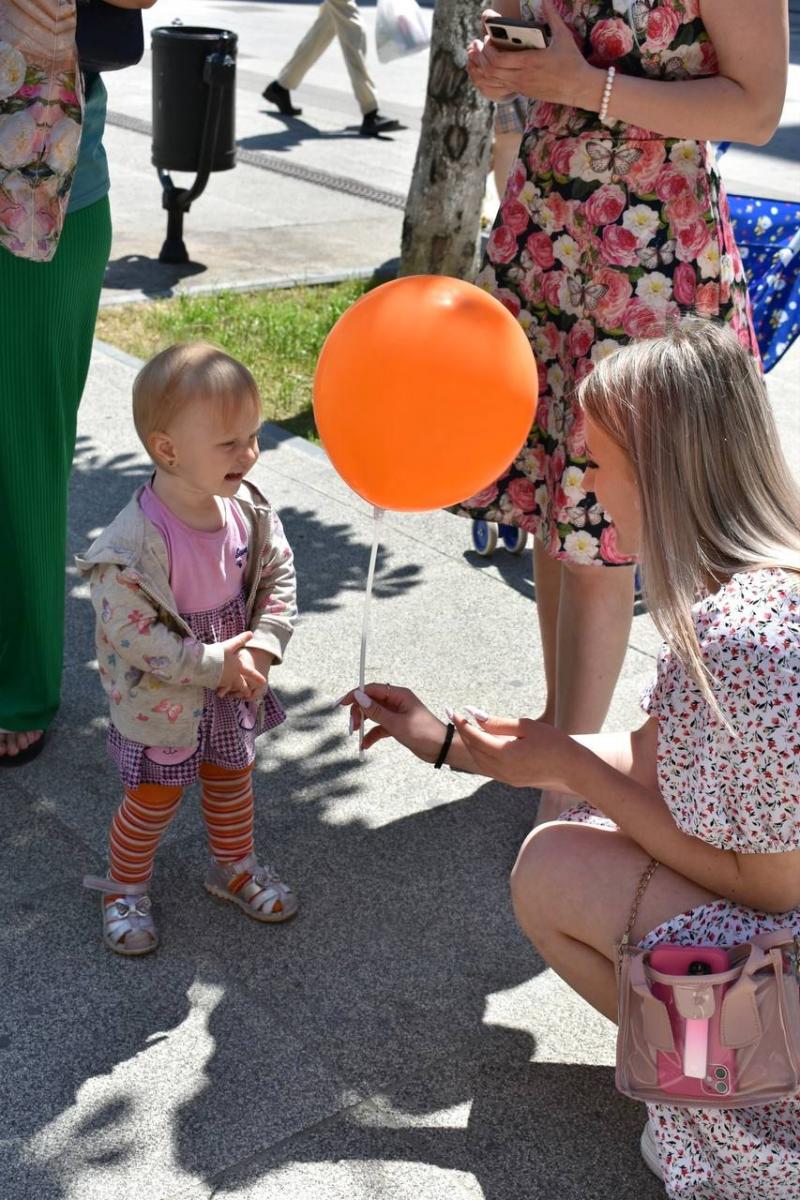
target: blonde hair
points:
(183, 374)
(715, 492)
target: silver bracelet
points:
(603, 113)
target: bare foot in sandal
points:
(19, 746)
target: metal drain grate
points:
(281, 166)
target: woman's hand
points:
(519, 752)
(559, 74)
(398, 714)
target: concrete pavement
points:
(399, 1040)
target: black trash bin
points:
(194, 117)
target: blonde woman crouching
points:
(686, 459)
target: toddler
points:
(193, 586)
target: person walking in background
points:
(509, 125)
(614, 221)
(341, 19)
(55, 238)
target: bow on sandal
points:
(256, 890)
(128, 926)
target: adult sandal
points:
(128, 926)
(256, 890)
(23, 756)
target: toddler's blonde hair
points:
(183, 374)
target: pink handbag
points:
(711, 1039)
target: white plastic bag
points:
(399, 29)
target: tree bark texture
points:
(442, 219)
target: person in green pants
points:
(46, 331)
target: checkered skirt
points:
(228, 728)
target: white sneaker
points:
(649, 1149)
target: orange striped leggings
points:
(146, 811)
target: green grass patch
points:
(277, 334)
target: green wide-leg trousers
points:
(47, 318)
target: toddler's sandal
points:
(128, 926)
(258, 891)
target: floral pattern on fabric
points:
(604, 235)
(736, 789)
(40, 124)
(228, 728)
(768, 235)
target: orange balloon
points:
(425, 391)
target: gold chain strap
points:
(647, 875)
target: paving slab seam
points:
(281, 166)
(266, 1155)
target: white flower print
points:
(685, 157)
(581, 546)
(12, 70)
(726, 272)
(602, 349)
(642, 221)
(690, 56)
(529, 194)
(525, 319)
(18, 137)
(572, 483)
(555, 378)
(542, 496)
(487, 279)
(655, 289)
(62, 150)
(709, 261)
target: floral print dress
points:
(737, 790)
(605, 234)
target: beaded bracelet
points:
(610, 73)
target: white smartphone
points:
(508, 34)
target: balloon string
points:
(378, 514)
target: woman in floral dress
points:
(609, 232)
(709, 785)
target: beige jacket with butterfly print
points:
(152, 669)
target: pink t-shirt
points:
(206, 568)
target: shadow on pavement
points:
(237, 1048)
(137, 272)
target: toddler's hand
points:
(253, 667)
(234, 671)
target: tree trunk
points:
(442, 222)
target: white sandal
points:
(128, 926)
(264, 896)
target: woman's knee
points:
(537, 879)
